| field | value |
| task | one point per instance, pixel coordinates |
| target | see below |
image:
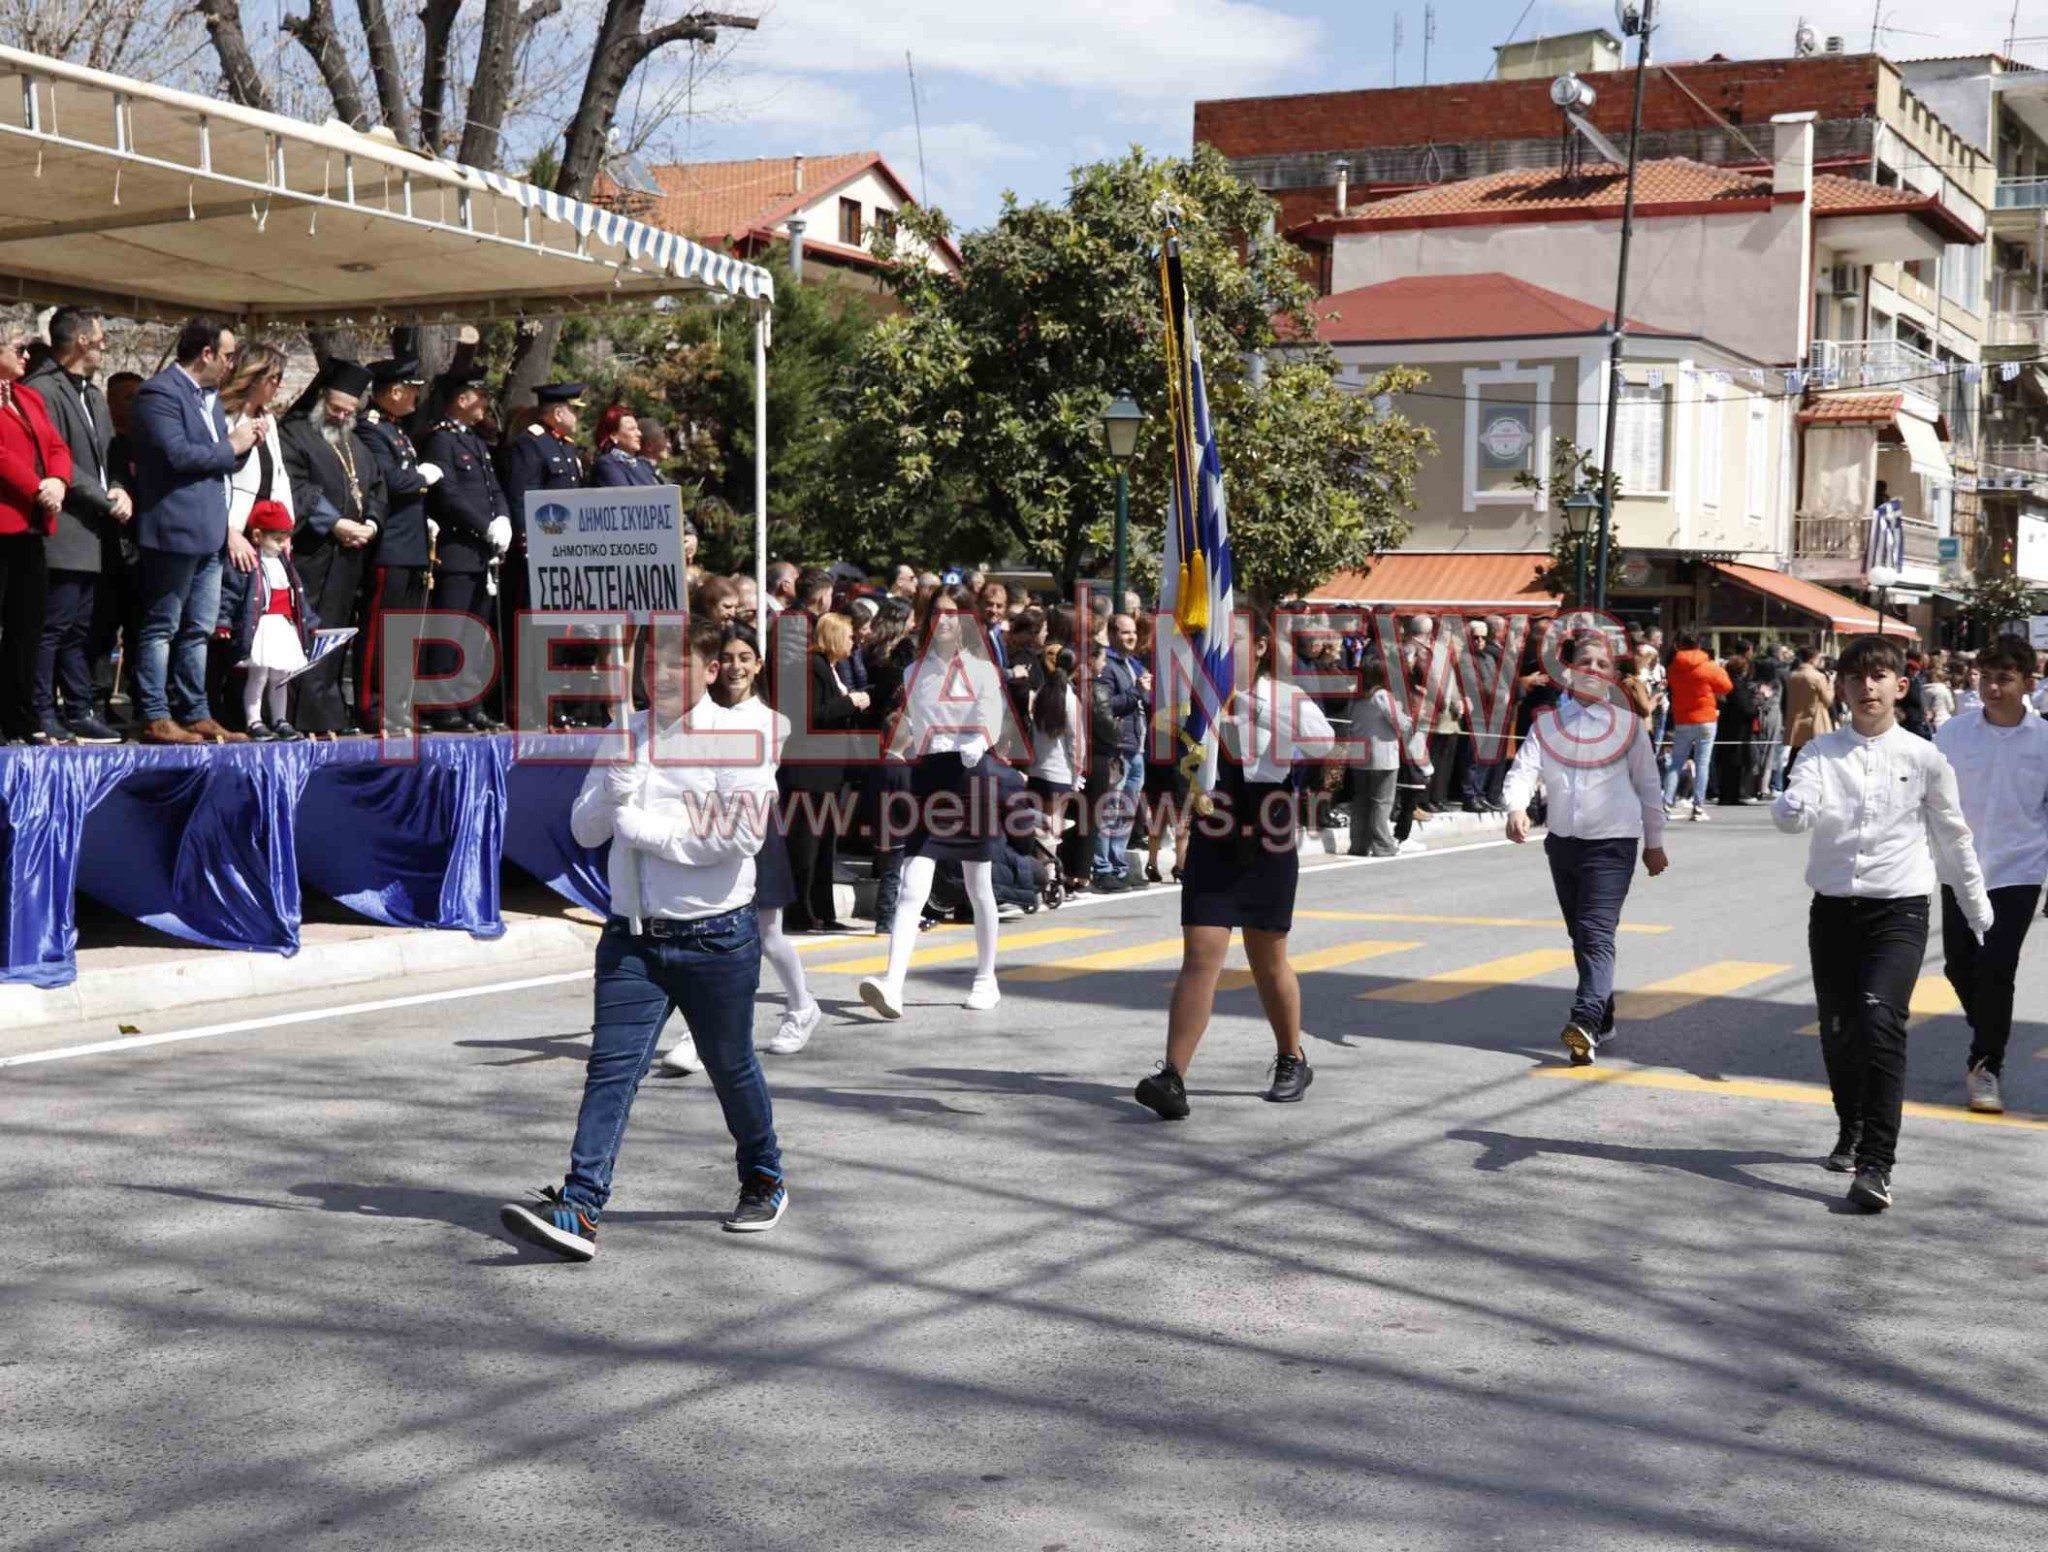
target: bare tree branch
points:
(245, 82)
(386, 71)
(490, 89)
(316, 30)
(437, 21)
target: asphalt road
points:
(257, 1297)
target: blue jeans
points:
(708, 970)
(1592, 879)
(1119, 814)
(180, 603)
(1693, 740)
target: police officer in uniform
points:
(474, 525)
(399, 575)
(538, 456)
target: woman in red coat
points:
(35, 471)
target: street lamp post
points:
(1638, 24)
(1120, 423)
(1579, 510)
(1882, 578)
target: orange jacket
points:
(1696, 680)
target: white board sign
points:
(611, 551)
(2037, 632)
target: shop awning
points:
(1408, 579)
(1924, 450)
(152, 202)
(1843, 616)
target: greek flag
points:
(1195, 579)
(1887, 537)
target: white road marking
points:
(493, 989)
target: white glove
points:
(430, 472)
(433, 531)
(501, 534)
(622, 781)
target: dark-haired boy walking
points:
(1874, 797)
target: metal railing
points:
(1872, 363)
(2027, 330)
(1845, 541)
(2022, 193)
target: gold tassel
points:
(1196, 582)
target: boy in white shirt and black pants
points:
(684, 826)
(1999, 750)
(1874, 796)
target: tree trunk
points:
(437, 22)
(387, 72)
(245, 82)
(490, 89)
(316, 30)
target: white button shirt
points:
(2002, 780)
(688, 816)
(1598, 770)
(1874, 805)
(1276, 725)
(953, 703)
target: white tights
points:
(915, 889)
(254, 682)
(789, 970)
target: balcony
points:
(2018, 331)
(1877, 363)
(1832, 548)
(2023, 193)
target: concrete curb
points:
(226, 976)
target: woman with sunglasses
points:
(35, 472)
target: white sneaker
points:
(1982, 1083)
(1009, 910)
(1411, 846)
(680, 1059)
(1699, 814)
(983, 996)
(795, 1030)
(882, 997)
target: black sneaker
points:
(1843, 1159)
(285, 733)
(1291, 1077)
(1872, 1188)
(259, 734)
(1580, 1043)
(1108, 884)
(1164, 1093)
(762, 1201)
(555, 1225)
(90, 730)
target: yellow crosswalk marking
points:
(1723, 978)
(1405, 918)
(954, 953)
(840, 943)
(1137, 956)
(1320, 959)
(1752, 1088)
(1932, 998)
(1473, 978)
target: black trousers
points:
(1982, 973)
(455, 592)
(333, 577)
(1443, 762)
(62, 664)
(390, 588)
(24, 587)
(813, 855)
(1866, 957)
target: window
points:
(1757, 459)
(1712, 408)
(1639, 425)
(1507, 435)
(885, 224)
(1962, 275)
(849, 222)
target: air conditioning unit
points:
(1845, 280)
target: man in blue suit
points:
(183, 453)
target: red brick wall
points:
(1748, 91)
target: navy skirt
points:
(1245, 876)
(959, 816)
(774, 879)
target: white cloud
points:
(964, 162)
(1179, 49)
(775, 102)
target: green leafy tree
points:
(1993, 603)
(972, 416)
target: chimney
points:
(796, 245)
(1792, 154)
(1343, 170)
(799, 174)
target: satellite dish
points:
(1805, 41)
(1568, 91)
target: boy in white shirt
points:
(685, 816)
(1999, 750)
(1874, 796)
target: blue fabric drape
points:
(539, 794)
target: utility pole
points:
(1619, 337)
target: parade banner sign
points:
(617, 550)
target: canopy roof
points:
(155, 202)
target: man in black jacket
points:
(338, 495)
(474, 526)
(400, 561)
(92, 506)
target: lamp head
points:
(1120, 423)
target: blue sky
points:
(1015, 92)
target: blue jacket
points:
(181, 469)
(615, 466)
(242, 599)
(1125, 704)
